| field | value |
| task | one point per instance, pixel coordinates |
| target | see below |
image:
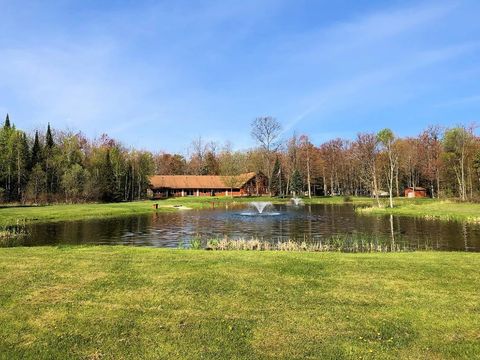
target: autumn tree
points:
(430, 148)
(366, 154)
(307, 151)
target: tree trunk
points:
(308, 178)
(375, 187)
(438, 183)
(396, 181)
(462, 169)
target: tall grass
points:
(12, 235)
(351, 243)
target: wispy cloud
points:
(373, 33)
(157, 74)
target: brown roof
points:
(417, 188)
(198, 181)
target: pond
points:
(308, 223)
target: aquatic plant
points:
(13, 235)
(342, 243)
(196, 243)
(347, 199)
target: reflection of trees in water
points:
(309, 223)
(392, 231)
(105, 231)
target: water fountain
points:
(260, 205)
(297, 201)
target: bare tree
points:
(231, 166)
(203, 158)
(307, 149)
(366, 154)
(266, 131)
(332, 154)
(431, 146)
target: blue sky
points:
(156, 74)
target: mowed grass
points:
(447, 210)
(430, 208)
(139, 303)
(10, 214)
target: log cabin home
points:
(248, 184)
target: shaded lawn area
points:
(125, 303)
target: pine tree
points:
(36, 155)
(107, 180)
(297, 182)
(7, 122)
(48, 155)
(276, 184)
(7, 160)
(49, 138)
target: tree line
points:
(444, 161)
(62, 166)
(59, 166)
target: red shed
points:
(412, 192)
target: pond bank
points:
(429, 209)
(446, 210)
(124, 302)
(10, 215)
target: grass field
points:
(134, 303)
(447, 210)
(10, 214)
(429, 208)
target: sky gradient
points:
(156, 74)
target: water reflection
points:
(306, 223)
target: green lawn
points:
(429, 208)
(10, 214)
(134, 303)
(447, 210)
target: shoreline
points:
(424, 208)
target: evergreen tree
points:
(107, 180)
(36, 155)
(297, 182)
(49, 138)
(48, 155)
(4, 139)
(277, 182)
(7, 122)
(7, 142)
